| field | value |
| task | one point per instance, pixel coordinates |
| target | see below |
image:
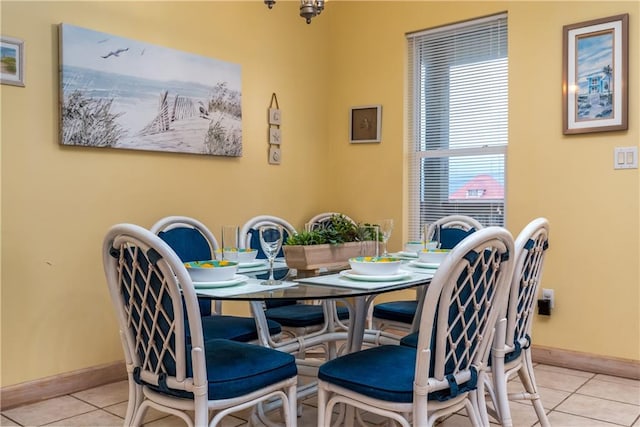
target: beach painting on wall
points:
(121, 93)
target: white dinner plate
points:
(235, 280)
(377, 278)
(254, 263)
(420, 264)
(408, 254)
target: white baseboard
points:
(59, 385)
(71, 382)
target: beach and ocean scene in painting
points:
(121, 93)
(595, 76)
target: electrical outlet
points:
(548, 294)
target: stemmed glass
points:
(271, 242)
(386, 226)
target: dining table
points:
(353, 291)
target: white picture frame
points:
(12, 59)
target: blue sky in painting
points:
(7, 52)
(594, 53)
(87, 49)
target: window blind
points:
(458, 122)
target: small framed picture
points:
(274, 116)
(594, 73)
(12, 59)
(274, 136)
(365, 123)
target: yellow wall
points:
(568, 179)
(57, 202)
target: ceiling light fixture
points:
(308, 8)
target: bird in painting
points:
(115, 53)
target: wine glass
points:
(271, 242)
(386, 226)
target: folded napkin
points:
(263, 267)
(248, 287)
(344, 282)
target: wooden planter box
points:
(313, 257)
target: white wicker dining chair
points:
(398, 315)
(325, 217)
(154, 301)
(248, 237)
(191, 240)
(511, 352)
(445, 371)
(453, 228)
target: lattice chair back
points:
(460, 310)
(530, 249)
(511, 352)
(153, 294)
(143, 273)
(452, 229)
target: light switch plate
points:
(625, 158)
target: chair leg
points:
(479, 402)
(528, 379)
(201, 414)
(291, 414)
(471, 405)
(501, 394)
(135, 398)
(322, 405)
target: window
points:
(458, 129)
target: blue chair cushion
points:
(235, 369)
(233, 328)
(385, 372)
(508, 357)
(450, 237)
(410, 340)
(301, 315)
(400, 311)
(188, 243)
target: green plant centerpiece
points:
(330, 244)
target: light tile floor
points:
(572, 398)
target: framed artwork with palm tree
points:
(595, 72)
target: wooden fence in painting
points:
(183, 108)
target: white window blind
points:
(458, 122)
